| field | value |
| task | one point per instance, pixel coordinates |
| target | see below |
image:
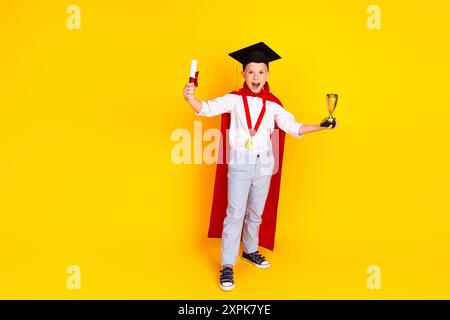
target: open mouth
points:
(255, 85)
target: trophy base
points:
(328, 121)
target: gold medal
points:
(252, 132)
(249, 144)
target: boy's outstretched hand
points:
(331, 126)
(188, 91)
(307, 128)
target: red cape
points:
(220, 201)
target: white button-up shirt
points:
(239, 133)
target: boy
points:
(254, 113)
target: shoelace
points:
(257, 257)
(226, 275)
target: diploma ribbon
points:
(194, 80)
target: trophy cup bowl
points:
(332, 99)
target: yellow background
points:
(86, 176)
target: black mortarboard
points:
(258, 52)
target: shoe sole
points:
(228, 288)
(257, 265)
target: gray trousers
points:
(249, 177)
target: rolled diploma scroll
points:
(193, 68)
(192, 74)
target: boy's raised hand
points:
(188, 91)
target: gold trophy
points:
(332, 99)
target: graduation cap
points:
(258, 52)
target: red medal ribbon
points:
(249, 120)
(194, 80)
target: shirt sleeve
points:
(286, 121)
(217, 106)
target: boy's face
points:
(255, 75)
